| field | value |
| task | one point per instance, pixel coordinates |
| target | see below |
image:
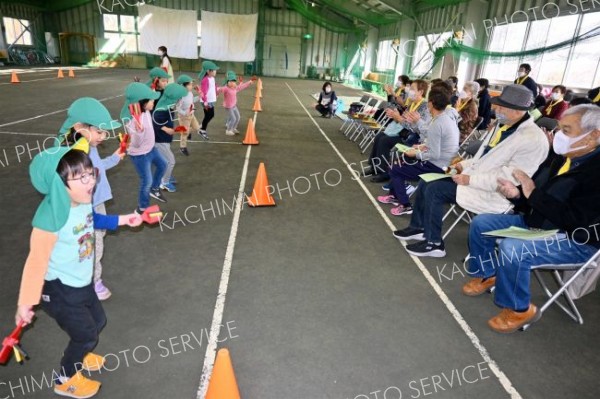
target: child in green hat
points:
(230, 91)
(162, 120)
(60, 263)
(159, 79)
(185, 111)
(89, 118)
(137, 118)
(208, 86)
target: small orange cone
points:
(14, 78)
(250, 138)
(260, 194)
(60, 74)
(71, 73)
(258, 93)
(259, 84)
(257, 107)
(222, 383)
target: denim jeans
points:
(143, 166)
(512, 262)
(79, 313)
(428, 209)
(401, 173)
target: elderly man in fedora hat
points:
(562, 195)
(515, 143)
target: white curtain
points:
(175, 29)
(228, 37)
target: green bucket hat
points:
(157, 72)
(183, 79)
(207, 66)
(173, 93)
(89, 111)
(53, 212)
(230, 76)
(135, 92)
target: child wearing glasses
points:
(85, 118)
(59, 267)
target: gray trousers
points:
(233, 117)
(99, 245)
(164, 150)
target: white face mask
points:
(328, 90)
(501, 118)
(160, 53)
(412, 94)
(562, 143)
(463, 94)
(556, 96)
(521, 74)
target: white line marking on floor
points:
(504, 381)
(211, 349)
(52, 113)
(29, 134)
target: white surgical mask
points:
(501, 118)
(556, 96)
(562, 143)
(327, 89)
(463, 94)
(412, 94)
(521, 74)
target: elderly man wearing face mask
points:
(563, 195)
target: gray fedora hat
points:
(514, 96)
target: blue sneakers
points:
(170, 187)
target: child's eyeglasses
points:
(86, 177)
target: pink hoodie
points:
(230, 95)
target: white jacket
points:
(525, 149)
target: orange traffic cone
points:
(14, 78)
(260, 194)
(222, 383)
(257, 107)
(259, 84)
(250, 138)
(60, 74)
(258, 93)
(71, 73)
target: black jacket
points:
(485, 109)
(569, 202)
(530, 84)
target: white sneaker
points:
(229, 132)
(236, 131)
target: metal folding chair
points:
(357, 118)
(366, 124)
(553, 297)
(363, 100)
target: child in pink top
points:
(230, 91)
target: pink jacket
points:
(230, 95)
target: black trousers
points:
(324, 109)
(208, 115)
(79, 313)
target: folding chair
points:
(363, 100)
(357, 118)
(367, 124)
(569, 306)
(369, 137)
(478, 122)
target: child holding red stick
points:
(85, 118)
(60, 264)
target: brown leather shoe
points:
(509, 321)
(476, 286)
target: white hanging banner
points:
(228, 37)
(177, 30)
